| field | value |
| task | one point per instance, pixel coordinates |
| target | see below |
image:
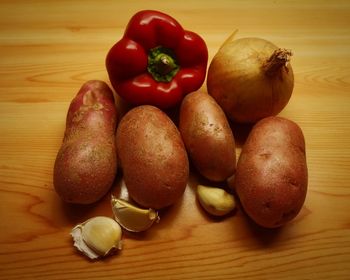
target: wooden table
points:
(49, 48)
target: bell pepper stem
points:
(162, 64)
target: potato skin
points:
(271, 177)
(207, 136)
(86, 163)
(152, 156)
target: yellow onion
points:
(251, 79)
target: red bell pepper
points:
(156, 62)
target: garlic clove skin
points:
(97, 237)
(215, 201)
(131, 217)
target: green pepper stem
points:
(162, 64)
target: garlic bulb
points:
(133, 218)
(97, 237)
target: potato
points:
(86, 163)
(271, 177)
(152, 156)
(207, 136)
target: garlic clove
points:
(215, 201)
(131, 217)
(81, 245)
(97, 237)
(102, 234)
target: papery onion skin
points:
(244, 85)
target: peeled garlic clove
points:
(97, 237)
(131, 217)
(215, 201)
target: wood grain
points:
(49, 48)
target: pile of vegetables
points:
(158, 65)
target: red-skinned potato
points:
(152, 156)
(207, 136)
(86, 163)
(271, 177)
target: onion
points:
(250, 78)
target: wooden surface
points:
(49, 48)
